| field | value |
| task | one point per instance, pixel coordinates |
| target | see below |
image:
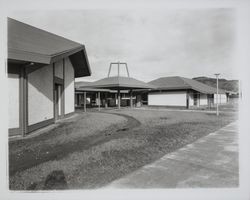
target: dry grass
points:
(119, 152)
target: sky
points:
(154, 43)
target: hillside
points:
(230, 85)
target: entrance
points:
(58, 101)
(196, 97)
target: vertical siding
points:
(59, 69)
(13, 88)
(69, 87)
(40, 95)
(175, 98)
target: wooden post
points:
(131, 99)
(109, 69)
(187, 99)
(106, 100)
(99, 101)
(118, 69)
(84, 100)
(127, 68)
(119, 99)
(116, 99)
(23, 102)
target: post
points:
(217, 94)
(187, 99)
(118, 68)
(119, 99)
(99, 101)
(131, 99)
(106, 100)
(109, 69)
(84, 100)
(127, 68)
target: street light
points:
(217, 91)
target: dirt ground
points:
(96, 148)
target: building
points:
(120, 90)
(183, 92)
(42, 68)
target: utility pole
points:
(217, 96)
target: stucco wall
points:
(69, 87)
(203, 100)
(191, 99)
(40, 95)
(59, 69)
(13, 88)
(221, 97)
(177, 98)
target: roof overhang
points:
(80, 63)
(30, 45)
(77, 56)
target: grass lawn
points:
(94, 149)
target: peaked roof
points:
(28, 43)
(177, 82)
(120, 82)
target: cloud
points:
(156, 43)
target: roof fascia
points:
(61, 55)
(15, 54)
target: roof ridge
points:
(183, 79)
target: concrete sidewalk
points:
(209, 162)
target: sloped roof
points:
(120, 82)
(28, 43)
(178, 83)
(79, 84)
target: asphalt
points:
(210, 162)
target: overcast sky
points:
(155, 43)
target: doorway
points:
(58, 101)
(196, 98)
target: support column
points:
(116, 99)
(131, 99)
(84, 100)
(119, 99)
(187, 99)
(106, 100)
(99, 101)
(23, 102)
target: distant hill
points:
(230, 85)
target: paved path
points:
(211, 161)
(185, 110)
